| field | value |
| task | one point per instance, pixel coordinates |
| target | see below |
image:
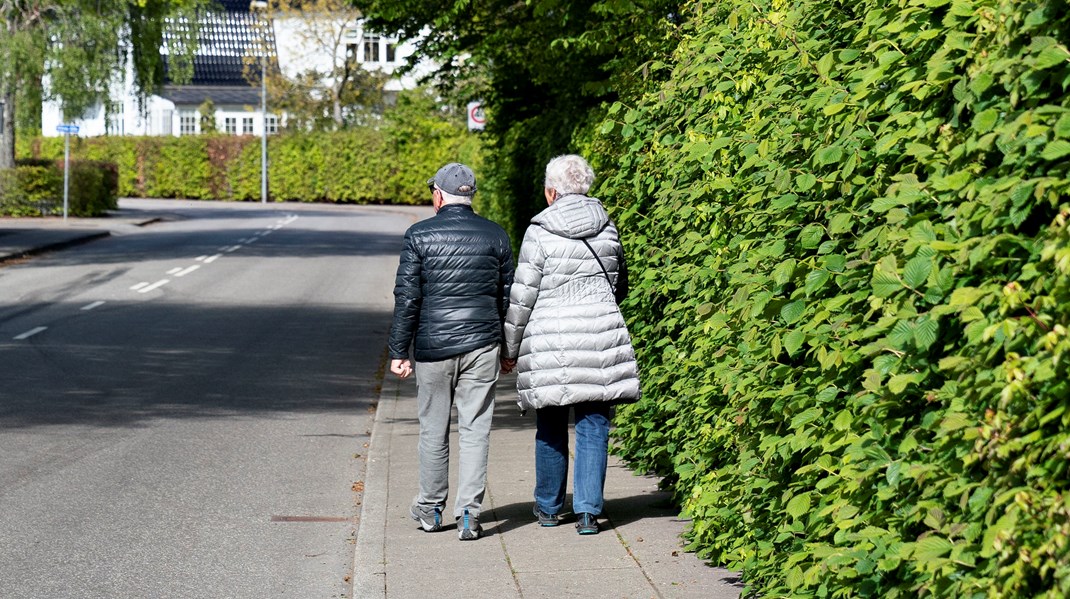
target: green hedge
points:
(365, 165)
(848, 224)
(35, 188)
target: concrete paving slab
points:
(638, 554)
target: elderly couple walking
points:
(468, 315)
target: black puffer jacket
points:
(452, 286)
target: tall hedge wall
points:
(848, 222)
(365, 165)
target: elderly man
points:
(450, 298)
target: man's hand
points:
(402, 368)
(508, 365)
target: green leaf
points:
(811, 236)
(798, 505)
(784, 272)
(925, 334)
(794, 340)
(806, 417)
(793, 311)
(898, 383)
(965, 296)
(985, 120)
(828, 155)
(917, 270)
(832, 109)
(815, 280)
(841, 223)
(1056, 150)
(835, 263)
(932, 547)
(884, 284)
(1052, 56)
(704, 309)
(805, 182)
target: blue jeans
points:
(551, 457)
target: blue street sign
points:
(67, 128)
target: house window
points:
(371, 48)
(391, 52)
(247, 125)
(272, 124)
(230, 125)
(187, 123)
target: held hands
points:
(402, 368)
(507, 365)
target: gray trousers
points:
(468, 381)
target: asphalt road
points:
(184, 409)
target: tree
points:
(78, 46)
(331, 94)
(549, 66)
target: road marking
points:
(232, 248)
(139, 286)
(265, 233)
(199, 258)
(186, 271)
(155, 285)
(244, 240)
(30, 333)
(212, 258)
(174, 270)
(93, 305)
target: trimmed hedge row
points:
(362, 165)
(848, 223)
(35, 188)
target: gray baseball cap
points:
(455, 179)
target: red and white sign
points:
(476, 119)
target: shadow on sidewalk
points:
(618, 511)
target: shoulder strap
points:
(604, 271)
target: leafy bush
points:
(388, 164)
(29, 190)
(848, 223)
(35, 188)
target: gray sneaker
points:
(544, 518)
(468, 528)
(430, 522)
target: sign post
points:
(66, 130)
(477, 120)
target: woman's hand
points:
(508, 365)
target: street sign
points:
(66, 128)
(477, 121)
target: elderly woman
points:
(568, 340)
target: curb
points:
(54, 246)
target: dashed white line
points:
(266, 233)
(200, 258)
(174, 270)
(212, 258)
(30, 333)
(186, 270)
(155, 285)
(93, 305)
(232, 248)
(139, 286)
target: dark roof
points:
(195, 95)
(234, 5)
(227, 38)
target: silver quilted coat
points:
(563, 324)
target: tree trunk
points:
(7, 126)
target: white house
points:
(227, 40)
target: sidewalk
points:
(638, 554)
(21, 237)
